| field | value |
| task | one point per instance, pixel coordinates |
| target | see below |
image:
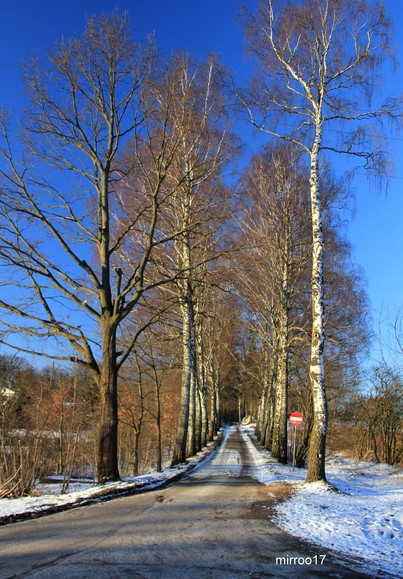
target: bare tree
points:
(42, 418)
(276, 244)
(378, 417)
(189, 145)
(320, 67)
(79, 256)
(390, 335)
(192, 95)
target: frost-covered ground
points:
(364, 519)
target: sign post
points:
(296, 419)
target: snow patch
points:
(364, 519)
(52, 498)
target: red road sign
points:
(296, 418)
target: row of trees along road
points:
(137, 139)
(320, 62)
(115, 229)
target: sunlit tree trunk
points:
(202, 381)
(321, 64)
(158, 424)
(204, 415)
(179, 453)
(191, 362)
(317, 446)
(108, 428)
(213, 381)
(213, 423)
(268, 397)
(262, 415)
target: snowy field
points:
(364, 519)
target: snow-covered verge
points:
(50, 499)
(362, 518)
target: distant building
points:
(6, 393)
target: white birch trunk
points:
(211, 380)
(179, 454)
(317, 445)
(279, 442)
(263, 405)
(202, 390)
(190, 355)
(261, 413)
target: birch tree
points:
(192, 95)
(320, 65)
(182, 151)
(275, 229)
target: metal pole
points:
(293, 452)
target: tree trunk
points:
(267, 412)
(202, 390)
(261, 413)
(136, 453)
(279, 440)
(213, 398)
(188, 347)
(317, 446)
(213, 415)
(158, 424)
(204, 415)
(60, 467)
(108, 430)
(191, 360)
(198, 417)
(279, 435)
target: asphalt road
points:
(214, 524)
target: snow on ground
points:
(50, 498)
(364, 519)
(226, 461)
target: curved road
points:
(215, 523)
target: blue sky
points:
(201, 26)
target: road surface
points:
(215, 524)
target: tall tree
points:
(320, 67)
(191, 93)
(273, 280)
(66, 227)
